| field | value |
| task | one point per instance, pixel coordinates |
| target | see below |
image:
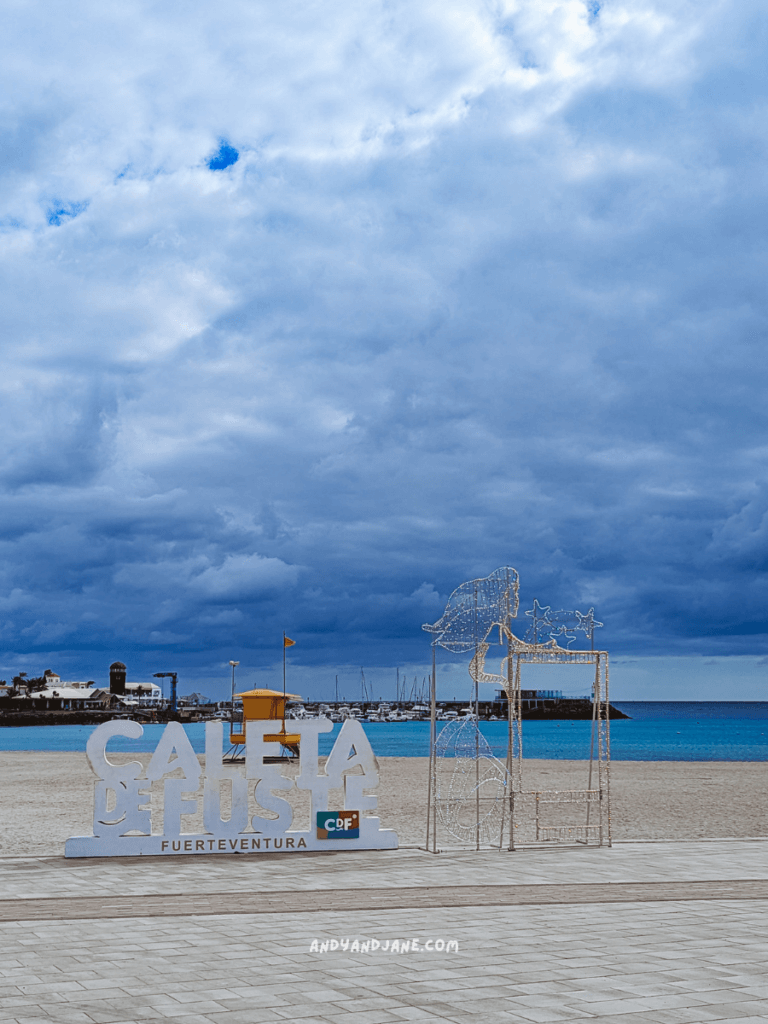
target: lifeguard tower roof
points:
(269, 693)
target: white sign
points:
(122, 815)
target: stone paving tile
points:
(547, 1014)
(39, 1018)
(499, 1017)
(191, 1018)
(244, 1015)
(729, 1012)
(245, 1019)
(110, 1016)
(94, 996)
(69, 1016)
(417, 1013)
(756, 991)
(635, 1018)
(213, 995)
(752, 1020)
(44, 987)
(679, 1016)
(352, 1016)
(625, 1018)
(200, 1008)
(742, 1008)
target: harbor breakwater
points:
(563, 709)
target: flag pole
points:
(283, 684)
(287, 642)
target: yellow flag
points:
(287, 642)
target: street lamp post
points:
(234, 665)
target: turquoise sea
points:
(656, 731)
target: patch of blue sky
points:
(593, 10)
(224, 157)
(523, 54)
(62, 212)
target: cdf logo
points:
(338, 824)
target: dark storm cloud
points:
(463, 287)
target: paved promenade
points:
(674, 933)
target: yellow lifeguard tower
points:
(269, 706)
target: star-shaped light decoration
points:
(588, 623)
(563, 635)
(540, 623)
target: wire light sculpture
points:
(470, 785)
(474, 609)
(473, 798)
(559, 625)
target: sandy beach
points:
(48, 797)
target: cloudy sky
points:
(311, 311)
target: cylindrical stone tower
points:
(117, 675)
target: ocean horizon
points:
(655, 731)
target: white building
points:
(70, 697)
(146, 694)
